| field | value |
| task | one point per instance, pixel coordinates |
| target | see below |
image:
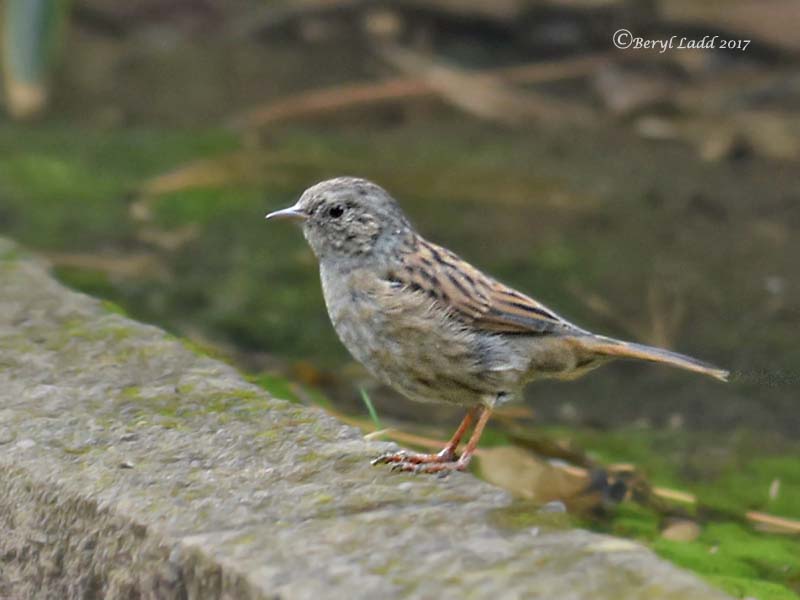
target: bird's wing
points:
(474, 297)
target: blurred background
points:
(649, 194)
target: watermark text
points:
(625, 40)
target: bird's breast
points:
(361, 314)
(411, 343)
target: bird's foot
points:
(445, 461)
(442, 463)
(415, 458)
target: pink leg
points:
(448, 453)
(453, 463)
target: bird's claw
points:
(391, 457)
(414, 458)
(439, 468)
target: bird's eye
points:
(336, 211)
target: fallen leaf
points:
(681, 530)
(526, 476)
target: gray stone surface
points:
(132, 467)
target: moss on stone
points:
(113, 307)
(522, 514)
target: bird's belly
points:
(419, 350)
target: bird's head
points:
(348, 217)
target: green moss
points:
(174, 410)
(522, 514)
(634, 521)
(745, 482)
(277, 386)
(79, 328)
(493, 437)
(203, 349)
(323, 499)
(95, 283)
(168, 423)
(11, 254)
(76, 450)
(113, 307)
(131, 392)
(740, 587)
(245, 539)
(731, 554)
(772, 556)
(703, 558)
(384, 569)
(311, 457)
(270, 435)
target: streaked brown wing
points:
(478, 299)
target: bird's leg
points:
(448, 453)
(459, 464)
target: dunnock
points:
(434, 327)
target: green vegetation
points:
(373, 414)
(730, 553)
(31, 32)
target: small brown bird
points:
(434, 327)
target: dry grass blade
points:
(601, 307)
(717, 135)
(237, 167)
(331, 99)
(171, 239)
(483, 95)
(404, 437)
(264, 19)
(132, 265)
(666, 315)
(674, 495)
(342, 97)
(211, 172)
(513, 413)
(772, 523)
(773, 134)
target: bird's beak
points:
(293, 213)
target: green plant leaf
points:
(31, 33)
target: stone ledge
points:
(130, 466)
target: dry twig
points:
(343, 97)
(484, 95)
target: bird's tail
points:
(619, 349)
